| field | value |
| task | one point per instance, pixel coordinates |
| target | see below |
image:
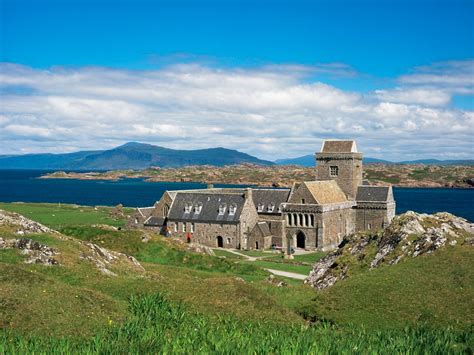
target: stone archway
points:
(300, 240)
(220, 242)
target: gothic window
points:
(312, 219)
(334, 170)
(166, 209)
(288, 219)
(295, 219)
(306, 220)
(301, 220)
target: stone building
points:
(309, 215)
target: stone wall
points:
(206, 233)
(374, 215)
(349, 167)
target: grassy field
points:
(187, 302)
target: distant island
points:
(135, 155)
(402, 175)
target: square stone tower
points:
(339, 160)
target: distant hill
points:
(308, 161)
(129, 156)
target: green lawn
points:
(227, 254)
(258, 253)
(188, 302)
(59, 215)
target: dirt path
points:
(291, 275)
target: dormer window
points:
(232, 209)
(260, 207)
(222, 209)
(188, 207)
(270, 207)
(334, 171)
(198, 208)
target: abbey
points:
(309, 215)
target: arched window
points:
(301, 219)
(295, 219)
(288, 219)
(306, 220)
(312, 219)
(166, 209)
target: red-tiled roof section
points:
(339, 147)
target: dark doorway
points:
(256, 245)
(300, 240)
(220, 242)
(188, 240)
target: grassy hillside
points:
(190, 302)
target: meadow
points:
(188, 302)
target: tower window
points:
(334, 170)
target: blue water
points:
(23, 185)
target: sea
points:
(24, 186)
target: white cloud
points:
(272, 111)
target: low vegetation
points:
(189, 302)
(415, 175)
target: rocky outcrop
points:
(409, 235)
(22, 224)
(105, 260)
(37, 253)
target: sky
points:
(269, 78)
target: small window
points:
(260, 207)
(369, 226)
(334, 170)
(188, 207)
(303, 201)
(228, 240)
(136, 220)
(184, 227)
(176, 228)
(192, 227)
(270, 207)
(232, 209)
(222, 209)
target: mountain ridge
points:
(131, 155)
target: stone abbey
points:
(310, 215)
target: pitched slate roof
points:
(374, 194)
(146, 211)
(154, 222)
(327, 191)
(210, 203)
(335, 146)
(263, 226)
(267, 197)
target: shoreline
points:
(93, 176)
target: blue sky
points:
(382, 58)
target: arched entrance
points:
(220, 242)
(300, 240)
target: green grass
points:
(309, 257)
(227, 254)
(438, 289)
(256, 253)
(156, 325)
(60, 215)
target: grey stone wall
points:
(374, 215)
(206, 233)
(349, 170)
